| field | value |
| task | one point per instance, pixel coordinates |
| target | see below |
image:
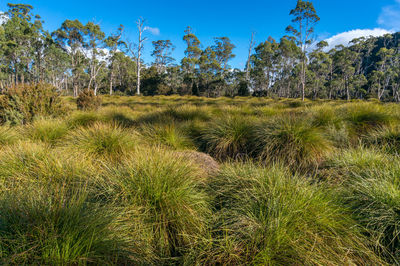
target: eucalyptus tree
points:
(208, 70)
(223, 49)
(162, 53)
(70, 36)
(192, 56)
(115, 44)
(304, 21)
(264, 65)
(20, 31)
(320, 63)
(95, 44)
(382, 77)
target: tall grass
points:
(50, 131)
(49, 214)
(168, 192)
(7, 136)
(372, 191)
(129, 184)
(266, 216)
(170, 135)
(293, 140)
(228, 137)
(364, 117)
(103, 141)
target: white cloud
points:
(390, 16)
(3, 18)
(345, 38)
(154, 31)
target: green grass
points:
(167, 191)
(49, 131)
(293, 140)
(228, 137)
(171, 180)
(271, 217)
(102, 141)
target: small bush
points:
(87, 101)
(22, 103)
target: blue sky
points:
(341, 20)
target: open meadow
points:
(199, 181)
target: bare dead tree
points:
(141, 28)
(251, 46)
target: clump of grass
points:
(228, 137)
(7, 136)
(167, 190)
(51, 213)
(170, 135)
(102, 141)
(387, 137)
(269, 217)
(49, 131)
(121, 116)
(364, 117)
(83, 119)
(54, 227)
(292, 140)
(188, 113)
(371, 190)
(325, 116)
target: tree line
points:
(80, 56)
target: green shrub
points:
(22, 103)
(292, 140)
(267, 216)
(87, 101)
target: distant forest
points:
(81, 56)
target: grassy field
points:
(197, 181)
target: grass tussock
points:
(170, 135)
(102, 141)
(167, 191)
(228, 138)
(7, 136)
(293, 141)
(270, 217)
(50, 131)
